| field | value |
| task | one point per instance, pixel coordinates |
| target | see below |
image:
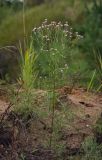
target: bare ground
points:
(87, 107)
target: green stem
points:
(24, 26)
(53, 108)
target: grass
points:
(28, 72)
(97, 74)
(5, 12)
(52, 53)
(11, 29)
(90, 86)
(92, 150)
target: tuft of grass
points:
(91, 150)
(28, 72)
(90, 86)
(97, 73)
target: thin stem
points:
(24, 26)
(53, 108)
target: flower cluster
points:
(55, 27)
(53, 43)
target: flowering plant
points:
(53, 43)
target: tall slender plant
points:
(28, 68)
(24, 24)
(53, 43)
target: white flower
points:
(48, 39)
(42, 26)
(76, 33)
(66, 65)
(66, 25)
(39, 28)
(34, 29)
(57, 26)
(59, 23)
(53, 54)
(61, 70)
(45, 19)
